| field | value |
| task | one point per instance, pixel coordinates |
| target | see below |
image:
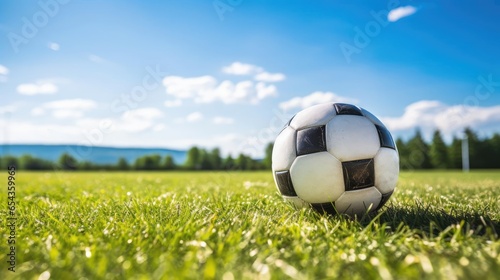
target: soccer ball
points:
(335, 158)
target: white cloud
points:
(225, 92)
(238, 68)
(159, 127)
(223, 120)
(39, 133)
(137, 120)
(37, 88)
(24, 132)
(270, 77)
(96, 59)
(65, 114)
(173, 103)
(86, 131)
(37, 111)
(133, 128)
(264, 91)
(67, 108)
(180, 87)
(9, 109)
(194, 117)
(125, 128)
(4, 71)
(53, 46)
(205, 89)
(314, 98)
(142, 114)
(450, 119)
(241, 91)
(401, 12)
(89, 123)
(71, 104)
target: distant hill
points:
(95, 154)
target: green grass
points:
(437, 225)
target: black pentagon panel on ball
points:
(284, 182)
(358, 174)
(311, 140)
(385, 137)
(347, 109)
(385, 198)
(327, 207)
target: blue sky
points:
(229, 73)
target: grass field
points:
(437, 225)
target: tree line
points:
(414, 153)
(417, 154)
(196, 159)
